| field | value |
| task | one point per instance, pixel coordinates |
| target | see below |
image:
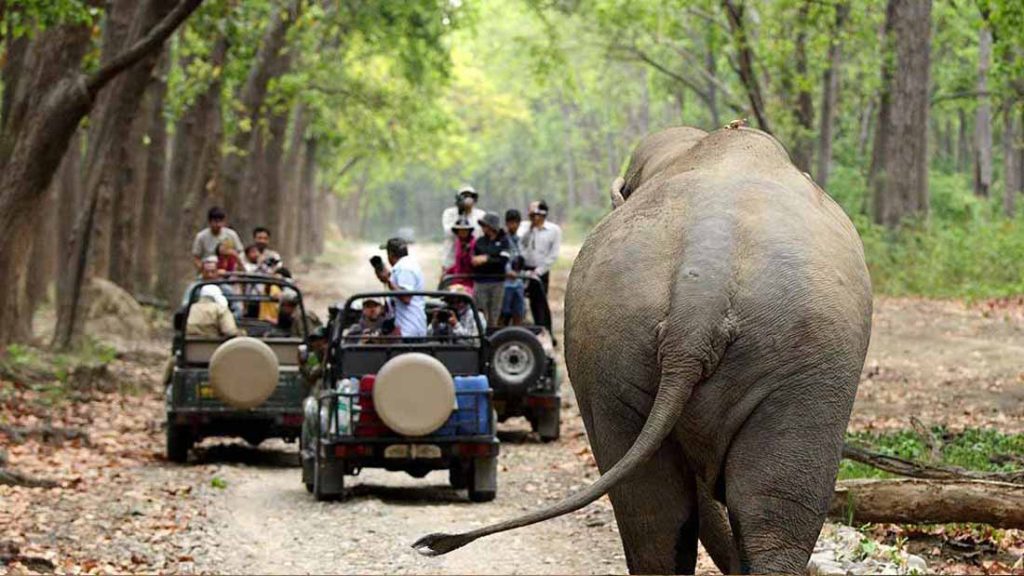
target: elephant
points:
(716, 321)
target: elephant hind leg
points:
(657, 516)
(655, 508)
(779, 476)
(715, 533)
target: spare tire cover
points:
(243, 372)
(414, 394)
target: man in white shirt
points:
(209, 238)
(539, 244)
(405, 275)
(465, 205)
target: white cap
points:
(213, 292)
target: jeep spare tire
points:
(243, 372)
(414, 394)
(517, 359)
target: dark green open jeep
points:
(249, 386)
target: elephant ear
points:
(616, 192)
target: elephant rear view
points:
(716, 326)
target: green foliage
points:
(218, 483)
(25, 17)
(972, 449)
(965, 249)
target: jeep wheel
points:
(328, 480)
(457, 475)
(517, 359)
(179, 441)
(547, 424)
(254, 440)
(483, 479)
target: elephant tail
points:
(674, 390)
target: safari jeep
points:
(523, 372)
(401, 404)
(249, 386)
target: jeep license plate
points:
(204, 390)
(426, 451)
(420, 451)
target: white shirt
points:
(410, 318)
(448, 219)
(540, 246)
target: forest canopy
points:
(364, 117)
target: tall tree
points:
(270, 62)
(1012, 171)
(899, 166)
(735, 11)
(195, 157)
(983, 116)
(154, 182)
(830, 94)
(74, 103)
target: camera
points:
(378, 263)
(443, 316)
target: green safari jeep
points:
(249, 386)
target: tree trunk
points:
(291, 193)
(269, 62)
(151, 206)
(803, 110)
(899, 172)
(983, 120)
(998, 504)
(82, 97)
(42, 111)
(310, 207)
(830, 95)
(570, 158)
(43, 253)
(110, 124)
(745, 57)
(1011, 157)
(68, 204)
(195, 156)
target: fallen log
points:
(911, 469)
(915, 501)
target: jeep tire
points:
(458, 475)
(483, 479)
(546, 423)
(179, 442)
(517, 361)
(328, 479)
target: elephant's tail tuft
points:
(439, 543)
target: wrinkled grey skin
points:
(716, 326)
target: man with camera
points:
(457, 321)
(465, 207)
(269, 259)
(404, 275)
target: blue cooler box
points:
(472, 416)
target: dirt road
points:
(266, 522)
(237, 509)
